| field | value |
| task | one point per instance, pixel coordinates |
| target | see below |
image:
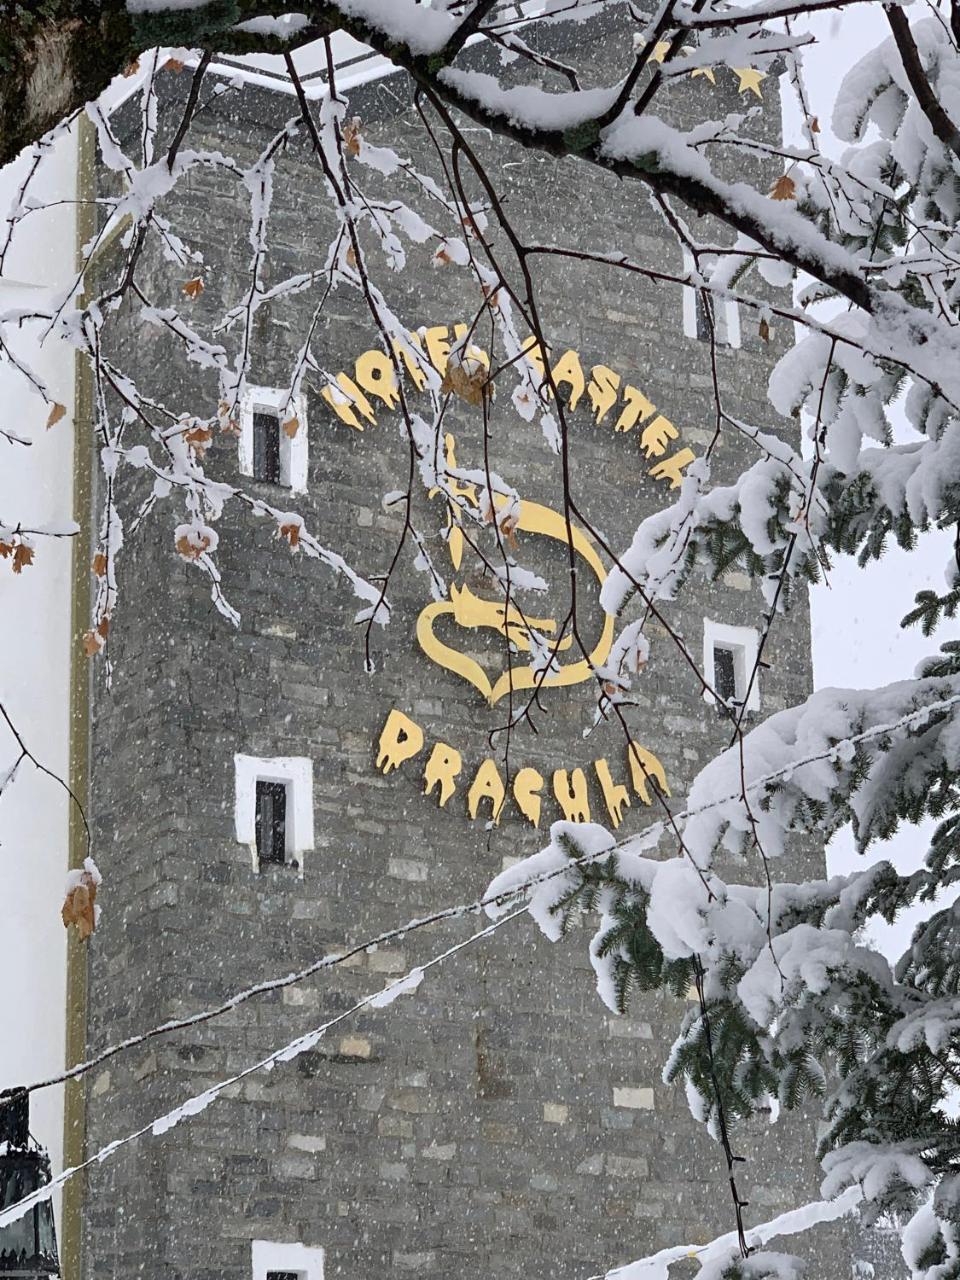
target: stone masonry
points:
(499, 1121)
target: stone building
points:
(259, 800)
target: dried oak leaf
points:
(291, 427)
(198, 438)
(291, 532)
(193, 288)
(6, 549)
(22, 556)
(351, 256)
(351, 136)
(784, 188)
(131, 69)
(192, 549)
(764, 331)
(92, 644)
(103, 627)
(56, 413)
(471, 387)
(814, 125)
(78, 907)
(173, 64)
(100, 565)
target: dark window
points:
(724, 673)
(703, 319)
(266, 447)
(284, 1275)
(271, 822)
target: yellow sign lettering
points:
(438, 347)
(414, 369)
(653, 439)
(487, 784)
(344, 397)
(568, 369)
(638, 409)
(570, 790)
(603, 390)
(377, 376)
(672, 468)
(400, 740)
(526, 791)
(645, 768)
(615, 795)
(443, 766)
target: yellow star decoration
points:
(660, 51)
(750, 79)
(704, 71)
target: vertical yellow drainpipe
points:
(74, 1109)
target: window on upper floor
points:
(266, 446)
(696, 317)
(729, 659)
(273, 438)
(271, 821)
(273, 812)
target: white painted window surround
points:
(743, 643)
(293, 452)
(296, 772)
(725, 311)
(302, 1260)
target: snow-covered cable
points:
(466, 908)
(200, 1101)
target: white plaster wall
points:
(36, 486)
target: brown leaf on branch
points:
(22, 556)
(92, 644)
(100, 565)
(193, 288)
(508, 527)
(192, 550)
(6, 549)
(173, 64)
(351, 256)
(290, 531)
(472, 387)
(291, 427)
(56, 413)
(198, 438)
(784, 188)
(78, 906)
(103, 627)
(814, 125)
(351, 136)
(764, 330)
(131, 69)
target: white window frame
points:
(744, 643)
(296, 773)
(303, 1259)
(293, 452)
(726, 312)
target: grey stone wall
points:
(501, 1120)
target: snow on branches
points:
(861, 253)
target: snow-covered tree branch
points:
(858, 253)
